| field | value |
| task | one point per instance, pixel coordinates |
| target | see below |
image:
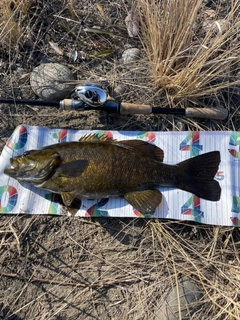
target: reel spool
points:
(93, 94)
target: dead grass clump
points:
(187, 61)
(12, 20)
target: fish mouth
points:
(14, 169)
(14, 164)
(27, 171)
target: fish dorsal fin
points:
(144, 148)
(95, 138)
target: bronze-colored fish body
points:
(100, 167)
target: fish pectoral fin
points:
(144, 148)
(68, 197)
(73, 168)
(74, 206)
(144, 201)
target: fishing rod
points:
(93, 96)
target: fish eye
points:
(26, 153)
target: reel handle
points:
(135, 108)
(205, 113)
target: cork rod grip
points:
(66, 104)
(208, 113)
(133, 108)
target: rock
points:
(187, 294)
(218, 26)
(49, 81)
(238, 76)
(119, 92)
(131, 55)
(132, 23)
(180, 126)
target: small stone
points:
(238, 76)
(218, 26)
(132, 24)
(187, 294)
(131, 55)
(180, 126)
(49, 81)
(119, 92)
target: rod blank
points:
(30, 102)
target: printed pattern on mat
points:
(18, 139)
(8, 199)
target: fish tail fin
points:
(196, 175)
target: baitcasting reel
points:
(92, 94)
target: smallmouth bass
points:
(100, 167)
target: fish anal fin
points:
(68, 197)
(144, 201)
(95, 138)
(73, 168)
(144, 148)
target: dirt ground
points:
(101, 268)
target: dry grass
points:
(114, 268)
(212, 261)
(188, 63)
(64, 268)
(13, 20)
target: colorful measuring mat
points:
(22, 198)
